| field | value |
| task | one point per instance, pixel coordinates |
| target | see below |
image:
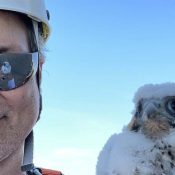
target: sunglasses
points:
(16, 69)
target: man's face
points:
(19, 108)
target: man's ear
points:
(41, 62)
(39, 77)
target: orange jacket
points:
(49, 172)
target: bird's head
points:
(154, 113)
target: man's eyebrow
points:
(4, 49)
(10, 48)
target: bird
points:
(146, 146)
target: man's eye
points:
(171, 106)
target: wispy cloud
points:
(73, 161)
(73, 152)
(71, 140)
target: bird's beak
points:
(150, 109)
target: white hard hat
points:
(34, 9)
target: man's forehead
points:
(8, 13)
(13, 32)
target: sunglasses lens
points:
(16, 69)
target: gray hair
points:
(41, 48)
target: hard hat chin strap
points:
(28, 165)
(36, 31)
(28, 153)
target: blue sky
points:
(99, 53)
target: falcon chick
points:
(154, 115)
(147, 145)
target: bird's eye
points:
(171, 106)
